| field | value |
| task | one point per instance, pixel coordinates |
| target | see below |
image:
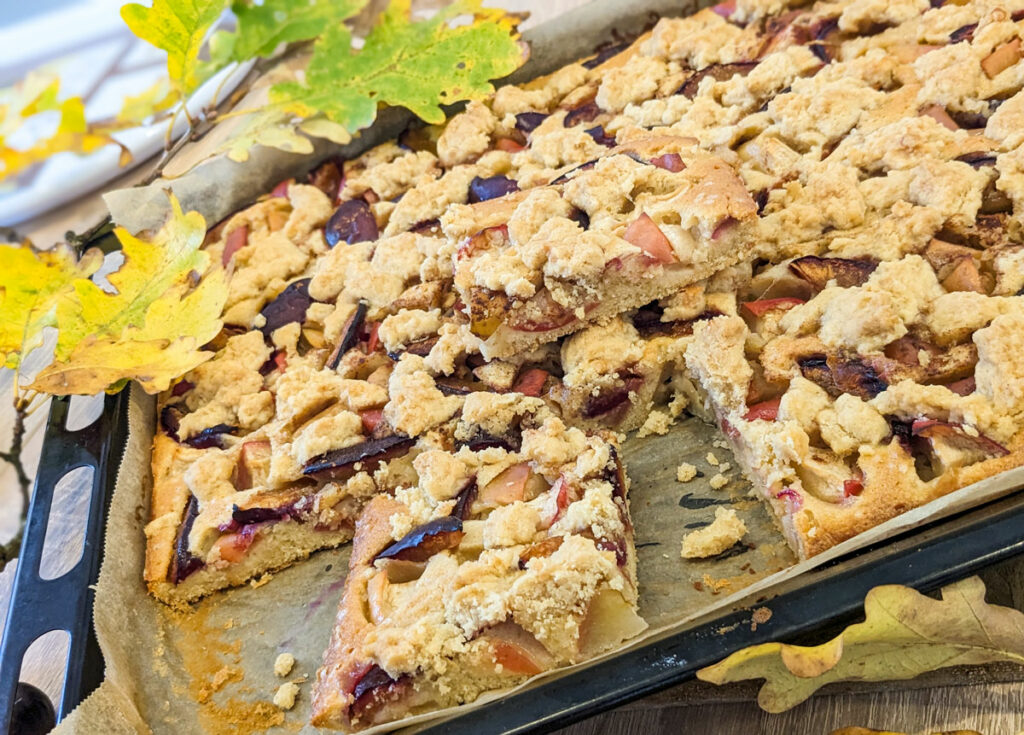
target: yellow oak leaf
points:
(38, 94)
(33, 283)
(157, 98)
(163, 304)
(904, 634)
(179, 28)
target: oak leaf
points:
(419, 65)
(904, 634)
(264, 27)
(39, 94)
(180, 29)
(162, 305)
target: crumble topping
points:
(725, 531)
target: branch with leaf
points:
(403, 62)
(904, 634)
(164, 302)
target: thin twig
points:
(9, 550)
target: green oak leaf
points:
(419, 65)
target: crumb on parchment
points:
(685, 472)
(712, 459)
(284, 697)
(727, 529)
(283, 665)
(718, 481)
(658, 422)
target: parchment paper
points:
(211, 671)
(220, 186)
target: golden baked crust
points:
(499, 564)
(802, 220)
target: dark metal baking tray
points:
(926, 558)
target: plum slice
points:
(645, 234)
(238, 238)
(421, 347)
(327, 177)
(844, 271)
(530, 382)
(541, 314)
(351, 222)
(340, 464)
(170, 418)
(527, 122)
(718, 72)
(765, 410)
(288, 306)
(427, 539)
(604, 54)
(978, 159)
(568, 174)
(374, 689)
(508, 487)
(955, 435)
(510, 442)
(464, 499)
(516, 650)
(540, 549)
(483, 189)
(607, 402)
(838, 375)
(587, 112)
(185, 563)
(600, 136)
(353, 328)
(648, 322)
(670, 162)
(211, 437)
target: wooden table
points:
(986, 700)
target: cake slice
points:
(511, 555)
(635, 225)
(261, 458)
(880, 391)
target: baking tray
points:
(927, 558)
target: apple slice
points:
(253, 464)
(516, 650)
(1001, 59)
(238, 238)
(508, 487)
(765, 411)
(762, 306)
(646, 235)
(610, 620)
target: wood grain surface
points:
(989, 700)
